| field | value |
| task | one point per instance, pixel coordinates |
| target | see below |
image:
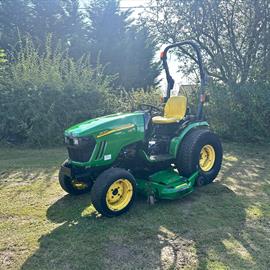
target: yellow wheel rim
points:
(207, 158)
(119, 195)
(78, 185)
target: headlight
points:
(72, 141)
(76, 141)
(79, 141)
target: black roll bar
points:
(203, 75)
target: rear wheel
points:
(72, 185)
(113, 192)
(201, 150)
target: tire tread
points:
(187, 157)
(100, 188)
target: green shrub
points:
(41, 95)
(240, 114)
(130, 100)
(2, 56)
(3, 60)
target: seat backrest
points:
(176, 107)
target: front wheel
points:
(200, 151)
(113, 192)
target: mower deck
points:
(166, 184)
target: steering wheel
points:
(153, 110)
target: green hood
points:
(106, 123)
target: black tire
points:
(188, 156)
(67, 183)
(101, 187)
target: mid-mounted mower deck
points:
(159, 156)
(166, 184)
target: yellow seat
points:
(174, 111)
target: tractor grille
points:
(81, 152)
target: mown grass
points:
(225, 225)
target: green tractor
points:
(162, 155)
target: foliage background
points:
(76, 65)
(41, 95)
(234, 37)
(244, 117)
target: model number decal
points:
(107, 157)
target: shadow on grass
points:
(200, 230)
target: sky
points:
(130, 3)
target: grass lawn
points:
(225, 225)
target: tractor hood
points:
(108, 125)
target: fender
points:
(176, 141)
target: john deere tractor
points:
(162, 154)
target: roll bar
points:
(203, 75)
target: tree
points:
(75, 29)
(109, 35)
(15, 19)
(119, 44)
(62, 19)
(139, 70)
(233, 34)
(48, 17)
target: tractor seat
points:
(174, 111)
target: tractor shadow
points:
(207, 229)
(168, 235)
